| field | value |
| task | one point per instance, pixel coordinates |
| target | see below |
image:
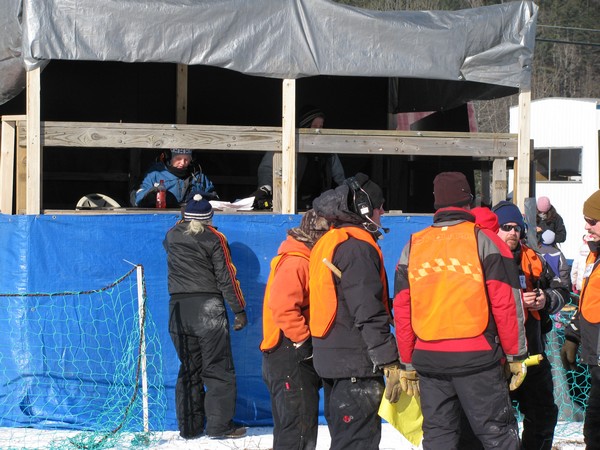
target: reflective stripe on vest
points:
(447, 288)
(323, 298)
(532, 267)
(271, 332)
(590, 292)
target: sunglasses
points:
(591, 222)
(509, 228)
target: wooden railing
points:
(498, 147)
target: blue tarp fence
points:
(46, 253)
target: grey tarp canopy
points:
(273, 38)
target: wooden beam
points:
(128, 135)
(522, 163)
(34, 148)
(181, 94)
(288, 148)
(228, 138)
(402, 143)
(7, 166)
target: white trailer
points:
(565, 134)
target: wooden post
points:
(34, 147)
(277, 184)
(288, 148)
(521, 172)
(182, 93)
(499, 183)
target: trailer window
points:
(558, 164)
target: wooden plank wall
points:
(498, 147)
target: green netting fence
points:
(571, 388)
(87, 362)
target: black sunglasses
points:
(592, 222)
(508, 228)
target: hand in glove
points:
(263, 197)
(240, 321)
(409, 380)
(392, 382)
(568, 354)
(516, 371)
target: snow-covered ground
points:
(568, 437)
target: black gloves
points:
(263, 197)
(240, 321)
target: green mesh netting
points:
(88, 361)
(571, 388)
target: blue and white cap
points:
(198, 209)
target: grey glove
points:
(568, 354)
(241, 320)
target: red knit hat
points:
(451, 189)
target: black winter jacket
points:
(360, 340)
(201, 264)
(553, 222)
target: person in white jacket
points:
(579, 262)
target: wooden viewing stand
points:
(24, 137)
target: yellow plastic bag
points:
(405, 416)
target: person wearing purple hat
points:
(201, 278)
(458, 316)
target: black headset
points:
(361, 202)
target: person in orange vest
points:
(287, 368)
(544, 294)
(353, 345)
(459, 315)
(584, 328)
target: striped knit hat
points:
(198, 209)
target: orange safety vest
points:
(271, 332)
(448, 297)
(590, 293)
(323, 298)
(532, 267)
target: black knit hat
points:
(451, 189)
(372, 189)
(308, 114)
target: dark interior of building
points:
(81, 91)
